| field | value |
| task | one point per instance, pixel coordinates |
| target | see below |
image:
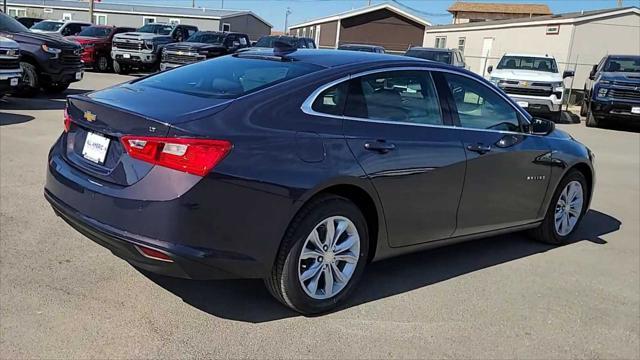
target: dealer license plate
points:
(523, 104)
(635, 110)
(79, 75)
(13, 82)
(95, 148)
(126, 56)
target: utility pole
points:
(222, 5)
(286, 20)
(193, 3)
(619, 3)
(369, 3)
(5, 6)
(90, 11)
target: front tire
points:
(120, 68)
(102, 64)
(30, 84)
(566, 210)
(322, 257)
(591, 120)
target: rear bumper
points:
(614, 109)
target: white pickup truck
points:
(533, 81)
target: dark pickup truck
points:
(48, 61)
(612, 91)
(201, 46)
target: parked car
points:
(48, 61)
(201, 46)
(10, 72)
(268, 42)
(364, 48)
(142, 49)
(63, 28)
(258, 165)
(612, 91)
(28, 21)
(533, 81)
(96, 45)
(446, 56)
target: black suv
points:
(201, 46)
(448, 56)
(48, 61)
(612, 91)
(268, 42)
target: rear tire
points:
(572, 192)
(305, 261)
(121, 69)
(30, 84)
(103, 63)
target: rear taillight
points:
(194, 156)
(67, 121)
(153, 254)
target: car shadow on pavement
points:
(41, 102)
(11, 119)
(248, 300)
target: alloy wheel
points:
(569, 208)
(329, 257)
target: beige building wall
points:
(523, 39)
(593, 40)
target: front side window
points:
(398, 96)
(528, 63)
(480, 107)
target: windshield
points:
(528, 63)
(227, 77)
(9, 24)
(623, 64)
(439, 56)
(267, 41)
(156, 29)
(96, 31)
(47, 26)
(209, 38)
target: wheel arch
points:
(587, 172)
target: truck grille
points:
(127, 45)
(625, 94)
(71, 57)
(9, 63)
(528, 91)
(184, 58)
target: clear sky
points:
(302, 10)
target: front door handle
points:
(479, 148)
(380, 146)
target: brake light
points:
(67, 121)
(194, 156)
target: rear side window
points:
(399, 96)
(331, 101)
(228, 76)
(479, 107)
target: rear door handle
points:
(380, 146)
(479, 148)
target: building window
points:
(100, 19)
(461, 42)
(226, 27)
(17, 12)
(148, 20)
(67, 17)
(441, 42)
(174, 21)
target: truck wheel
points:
(55, 88)
(120, 68)
(30, 83)
(584, 106)
(102, 64)
(591, 120)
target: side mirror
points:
(253, 43)
(568, 73)
(594, 70)
(541, 127)
(490, 69)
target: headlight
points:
(51, 50)
(495, 80)
(602, 92)
(148, 44)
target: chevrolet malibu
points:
(301, 167)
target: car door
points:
(506, 178)
(398, 131)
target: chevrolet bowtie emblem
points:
(524, 83)
(180, 53)
(89, 116)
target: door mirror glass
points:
(592, 75)
(541, 127)
(490, 69)
(568, 73)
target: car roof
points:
(530, 55)
(334, 58)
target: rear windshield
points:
(357, 48)
(623, 64)
(208, 38)
(439, 56)
(528, 63)
(48, 25)
(9, 24)
(156, 29)
(96, 31)
(228, 77)
(267, 41)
